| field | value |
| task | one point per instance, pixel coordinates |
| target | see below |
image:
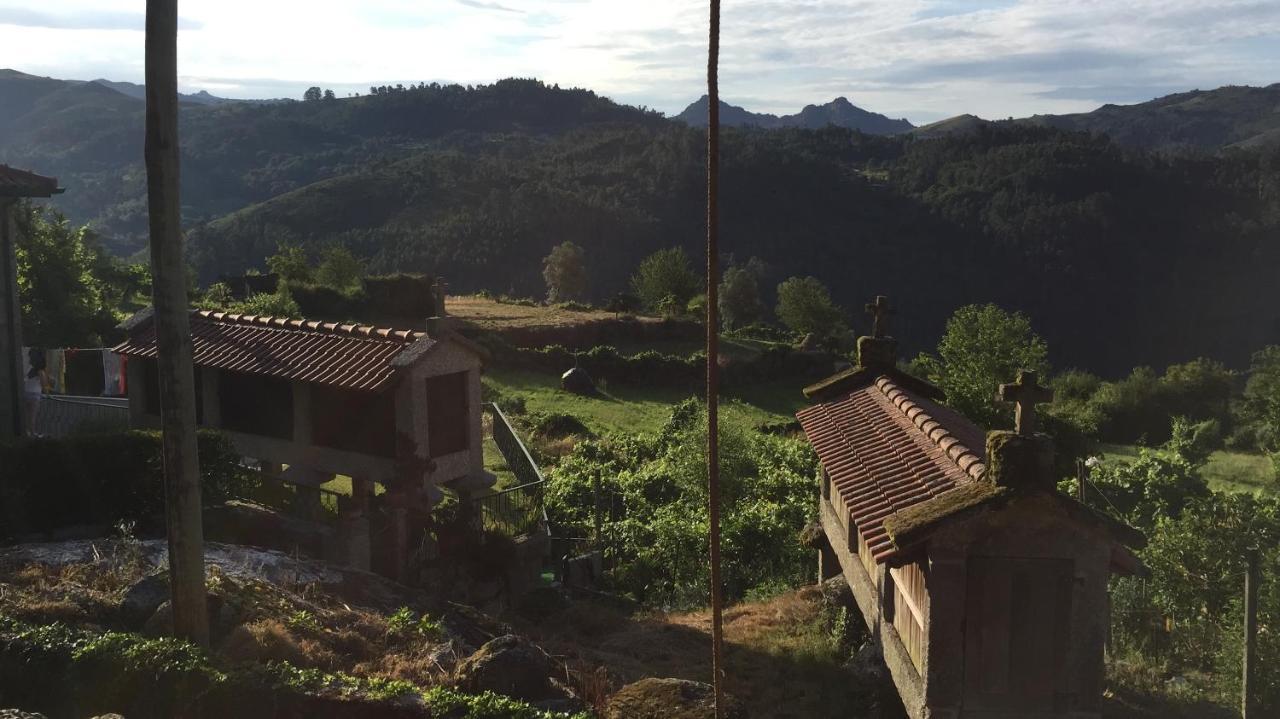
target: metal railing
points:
(518, 510)
(61, 415)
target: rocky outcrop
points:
(669, 699)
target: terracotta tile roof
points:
(888, 449)
(342, 355)
(20, 183)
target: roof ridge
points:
(371, 332)
(969, 461)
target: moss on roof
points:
(913, 523)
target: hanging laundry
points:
(111, 369)
(56, 365)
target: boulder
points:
(577, 381)
(143, 598)
(836, 593)
(669, 699)
(509, 665)
(19, 714)
(867, 664)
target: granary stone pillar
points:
(136, 378)
(11, 378)
(353, 525)
(212, 404)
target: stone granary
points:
(986, 587)
(395, 407)
(15, 185)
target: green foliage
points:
(1259, 408)
(169, 677)
(665, 282)
(72, 293)
(623, 303)
(696, 306)
(290, 263)
(554, 425)
(739, 300)
(565, 272)
(1151, 488)
(1197, 563)
(654, 490)
(103, 479)
(274, 304)
(407, 621)
(805, 306)
(984, 346)
(1139, 407)
(339, 268)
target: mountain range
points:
(1115, 231)
(839, 112)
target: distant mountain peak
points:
(839, 112)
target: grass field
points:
(631, 408)
(489, 314)
(1225, 471)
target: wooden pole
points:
(713, 349)
(173, 331)
(1081, 473)
(1252, 579)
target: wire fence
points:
(63, 415)
(519, 510)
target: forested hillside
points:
(1120, 258)
(1119, 255)
(236, 154)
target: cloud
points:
(918, 58)
(84, 20)
(483, 5)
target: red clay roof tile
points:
(887, 449)
(351, 356)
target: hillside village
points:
(418, 403)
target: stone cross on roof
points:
(879, 311)
(1026, 393)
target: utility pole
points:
(173, 329)
(713, 349)
(1252, 578)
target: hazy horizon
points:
(919, 59)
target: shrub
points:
(665, 280)
(102, 480)
(400, 295)
(652, 492)
(554, 425)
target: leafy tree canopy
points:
(565, 272)
(739, 300)
(665, 278)
(805, 306)
(982, 347)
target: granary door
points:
(1017, 634)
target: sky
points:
(920, 59)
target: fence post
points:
(1252, 579)
(1081, 474)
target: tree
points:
(565, 271)
(805, 306)
(68, 286)
(328, 95)
(665, 278)
(290, 263)
(623, 303)
(982, 347)
(1259, 408)
(740, 295)
(312, 94)
(338, 268)
(172, 325)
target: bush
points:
(652, 491)
(555, 425)
(69, 672)
(400, 295)
(102, 480)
